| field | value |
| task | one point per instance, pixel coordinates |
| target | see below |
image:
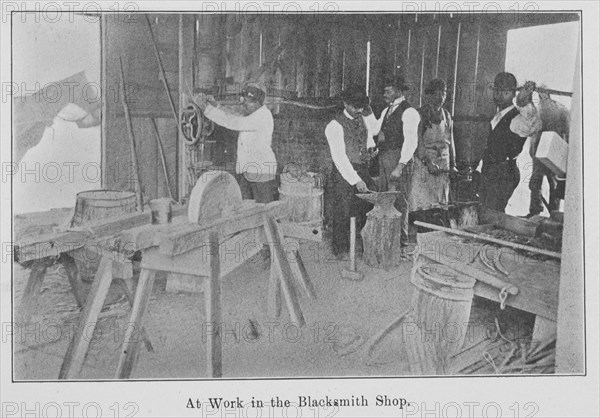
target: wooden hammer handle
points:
(353, 243)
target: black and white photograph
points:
(324, 209)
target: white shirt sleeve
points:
(374, 125)
(252, 122)
(528, 122)
(335, 138)
(410, 121)
(370, 134)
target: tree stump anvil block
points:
(381, 233)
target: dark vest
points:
(392, 128)
(503, 144)
(355, 137)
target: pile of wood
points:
(499, 355)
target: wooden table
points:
(537, 281)
(200, 251)
(40, 247)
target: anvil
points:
(384, 204)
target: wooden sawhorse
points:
(191, 260)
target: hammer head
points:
(352, 275)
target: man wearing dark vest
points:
(351, 148)
(509, 129)
(397, 130)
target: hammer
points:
(352, 274)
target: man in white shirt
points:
(397, 130)
(509, 129)
(351, 147)
(256, 166)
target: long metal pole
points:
(162, 71)
(437, 56)
(138, 182)
(476, 69)
(162, 157)
(489, 239)
(456, 67)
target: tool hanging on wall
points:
(162, 157)
(138, 181)
(162, 71)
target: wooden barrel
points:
(305, 195)
(90, 207)
(94, 205)
(441, 308)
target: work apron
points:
(429, 190)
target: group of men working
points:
(414, 147)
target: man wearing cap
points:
(397, 130)
(256, 166)
(509, 129)
(351, 148)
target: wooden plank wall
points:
(127, 37)
(321, 55)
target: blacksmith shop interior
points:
(235, 195)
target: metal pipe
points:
(408, 49)
(476, 68)
(162, 71)
(437, 56)
(456, 67)
(422, 74)
(162, 157)
(368, 65)
(138, 182)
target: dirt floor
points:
(340, 324)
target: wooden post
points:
(274, 292)
(34, 286)
(78, 347)
(381, 233)
(186, 81)
(127, 287)
(302, 275)
(212, 296)
(353, 243)
(570, 352)
(163, 76)
(161, 152)
(73, 275)
(138, 183)
(455, 68)
(283, 269)
(130, 350)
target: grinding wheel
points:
(216, 195)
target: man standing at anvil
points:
(351, 146)
(397, 130)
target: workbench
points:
(201, 251)
(537, 280)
